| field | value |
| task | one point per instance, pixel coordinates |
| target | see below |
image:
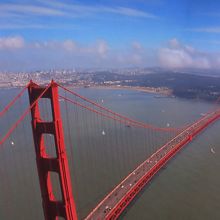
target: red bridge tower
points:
(46, 164)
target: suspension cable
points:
(14, 100)
(127, 121)
(12, 128)
(119, 115)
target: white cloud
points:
(15, 25)
(29, 9)
(15, 53)
(178, 55)
(136, 45)
(129, 12)
(56, 8)
(81, 9)
(102, 48)
(174, 43)
(206, 29)
(174, 58)
(69, 45)
(68, 54)
(11, 42)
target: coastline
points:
(161, 91)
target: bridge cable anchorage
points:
(18, 96)
(129, 120)
(12, 128)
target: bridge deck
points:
(120, 197)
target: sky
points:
(64, 34)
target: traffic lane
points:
(119, 192)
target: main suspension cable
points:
(14, 100)
(12, 128)
(119, 115)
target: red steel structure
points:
(53, 209)
(120, 197)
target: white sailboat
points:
(212, 150)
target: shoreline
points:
(153, 90)
(160, 92)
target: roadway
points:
(119, 198)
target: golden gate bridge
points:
(121, 135)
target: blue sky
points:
(112, 33)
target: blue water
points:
(188, 187)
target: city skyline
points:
(96, 34)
